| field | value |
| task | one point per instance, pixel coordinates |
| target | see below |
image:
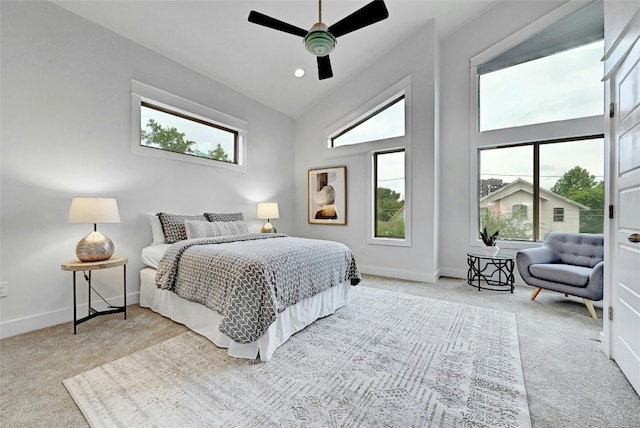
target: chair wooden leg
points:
(535, 293)
(590, 308)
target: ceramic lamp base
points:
(94, 247)
(268, 228)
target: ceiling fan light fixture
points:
(319, 41)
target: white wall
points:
(65, 133)
(415, 57)
(475, 37)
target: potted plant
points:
(490, 248)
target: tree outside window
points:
(178, 133)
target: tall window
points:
(389, 194)
(539, 138)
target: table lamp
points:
(268, 210)
(95, 246)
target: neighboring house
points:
(557, 213)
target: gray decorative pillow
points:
(206, 229)
(173, 225)
(224, 216)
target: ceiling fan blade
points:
(370, 14)
(276, 24)
(324, 67)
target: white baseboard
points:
(453, 273)
(400, 274)
(36, 322)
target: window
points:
(542, 90)
(381, 129)
(519, 212)
(167, 126)
(386, 121)
(168, 130)
(537, 111)
(568, 173)
(389, 205)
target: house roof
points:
(525, 186)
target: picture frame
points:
(327, 196)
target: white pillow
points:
(156, 230)
(209, 229)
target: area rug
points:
(385, 360)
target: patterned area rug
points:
(385, 360)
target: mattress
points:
(152, 254)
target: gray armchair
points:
(571, 263)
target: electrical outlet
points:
(4, 289)
(362, 249)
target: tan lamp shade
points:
(267, 211)
(95, 246)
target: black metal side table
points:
(490, 272)
(76, 265)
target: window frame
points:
(558, 214)
(369, 115)
(520, 211)
(164, 101)
(372, 239)
(375, 156)
(570, 129)
(371, 147)
(535, 203)
(366, 110)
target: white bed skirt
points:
(205, 321)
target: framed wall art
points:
(327, 195)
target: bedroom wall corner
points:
(66, 132)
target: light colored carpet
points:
(386, 359)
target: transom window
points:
(175, 132)
(562, 86)
(386, 121)
(167, 126)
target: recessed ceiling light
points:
(299, 72)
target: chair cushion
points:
(577, 276)
(580, 249)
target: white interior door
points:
(622, 66)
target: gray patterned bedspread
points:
(251, 278)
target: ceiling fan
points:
(320, 39)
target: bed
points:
(246, 292)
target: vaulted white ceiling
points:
(215, 39)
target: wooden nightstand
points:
(76, 265)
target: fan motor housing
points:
(319, 41)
